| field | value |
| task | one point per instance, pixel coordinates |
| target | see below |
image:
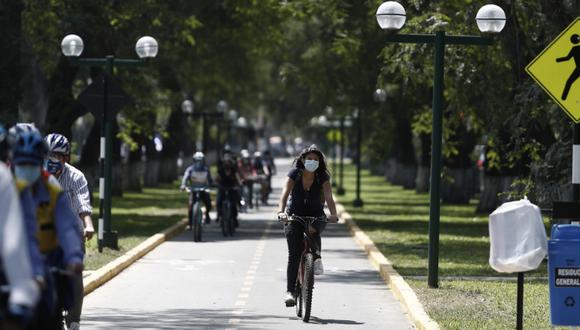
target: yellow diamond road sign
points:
(557, 70)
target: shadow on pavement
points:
(316, 320)
(175, 319)
(368, 277)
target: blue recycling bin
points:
(564, 274)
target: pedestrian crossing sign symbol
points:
(557, 70)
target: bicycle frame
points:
(308, 243)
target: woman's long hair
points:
(313, 149)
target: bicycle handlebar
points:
(294, 217)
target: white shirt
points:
(13, 245)
(75, 186)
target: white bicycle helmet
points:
(198, 156)
(57, 143)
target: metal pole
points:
(576, 164)
(334, 156)
(520, 302)
(358, 202)
(340, 190)
(435, 181)
(108, 238)
(203, 133)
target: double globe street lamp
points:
(391, 16)
(72, 47)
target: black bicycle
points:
(305, 280)
(196, 214)
(227, 219)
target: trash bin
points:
(564, 274)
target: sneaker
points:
(74, 326)
(318, 268)
(289, 299)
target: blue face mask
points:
(27, 173)
(53, 167)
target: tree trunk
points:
(492, 187)
(401, 174)
(458, 187)
(132, 172)
(151, 178)
(422, 179)
(168, 172)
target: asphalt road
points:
(239, 282)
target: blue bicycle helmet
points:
(27, 144)
(57, 143)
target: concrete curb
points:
(399, 287)
(113, 268)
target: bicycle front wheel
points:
(298, 296)
(307, 285)
(226, 218)
(197, 219)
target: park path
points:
(238, 283)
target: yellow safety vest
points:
(45, 215)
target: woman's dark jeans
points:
(294, 232)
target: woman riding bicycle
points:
(308, 186)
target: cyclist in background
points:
(248, 175)
(58, 227)
(228, 178)
(75, 186)
(198, 176)
(262, 172)
(17, 306)
(308, 186)
(269, 160)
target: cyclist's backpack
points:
(45, 213)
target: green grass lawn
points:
(137, 216)
(397, 221)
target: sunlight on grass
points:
(397, 220)
(137, 216)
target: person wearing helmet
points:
(248, 176)
(15, 260)
(262, 172)
(58, 228)
(228, 178)
(75, 186)
(198, 175)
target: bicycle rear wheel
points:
(307, 285)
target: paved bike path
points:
(238, 283)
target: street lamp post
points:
(222, 108)
(357, 114)
(345, 122)
(188, 108)
(72, 47)
(391, 16)
(231, 120)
